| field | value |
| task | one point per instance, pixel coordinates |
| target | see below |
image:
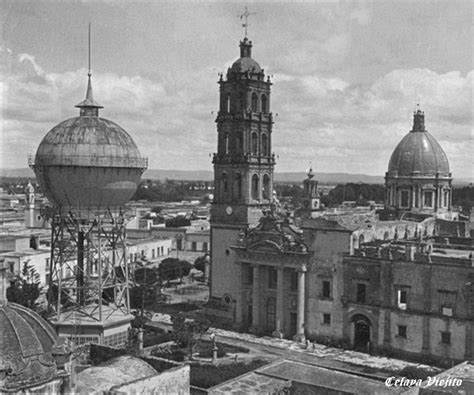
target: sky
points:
(347, 76)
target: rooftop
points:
(121, 370)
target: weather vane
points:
(246, 15)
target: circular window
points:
(227, 299)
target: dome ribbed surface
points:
(88, 163)
(26, 342)
(86, 141)
(243, 65)
(419, 152)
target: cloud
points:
(164, 117)
(343, 127)
(337, 125)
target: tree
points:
(172, 269)
(25, 288)
(200, 263)
(169, 269)
(177, 222)
(188, 331)
(146, 279)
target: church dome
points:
(26, 344)
(418, 153)
(245, 63)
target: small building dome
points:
(418, 153)
(26, 344)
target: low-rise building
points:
(411, 298)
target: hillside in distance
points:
(204, 175)
(295, 177)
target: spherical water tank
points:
(88, 163)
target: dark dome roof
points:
(88, 141)
(88, 163)
(419, 153)
(243, 65)
(26, 343)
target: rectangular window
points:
(404, 199)
(361, 292)
(446, 337)
(402, 331)
(447, 302)
(402, 298)
(446, 199)
(153, 253)
(204, 246)
(272, 278)
(326, 289)
(193, 246)
(428, 199)
(294, 281)
(327, 319)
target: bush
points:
(413, 372)
(206, 376)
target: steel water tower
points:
(89, 167)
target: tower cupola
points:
(418, 121)
(246, 48)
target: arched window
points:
(266, 187)
(226, 143)
(264, 104)
(224, 182)
(254, 102)
(254, 149)
(361, 240)
(239, 143)
(264, 145)
(238, 186)
(386, 236)
(227, 104)
(255, 190)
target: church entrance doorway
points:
(361, 333)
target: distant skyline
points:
(347, 76)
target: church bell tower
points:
(243, 166)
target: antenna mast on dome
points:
(246, 15)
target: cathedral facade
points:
(343, 278)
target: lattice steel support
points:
(88, 265)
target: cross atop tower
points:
(246, 15)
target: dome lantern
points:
(418, 121)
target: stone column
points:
(255, 300)
(300, 305)
(413, 192)
(279, 305)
